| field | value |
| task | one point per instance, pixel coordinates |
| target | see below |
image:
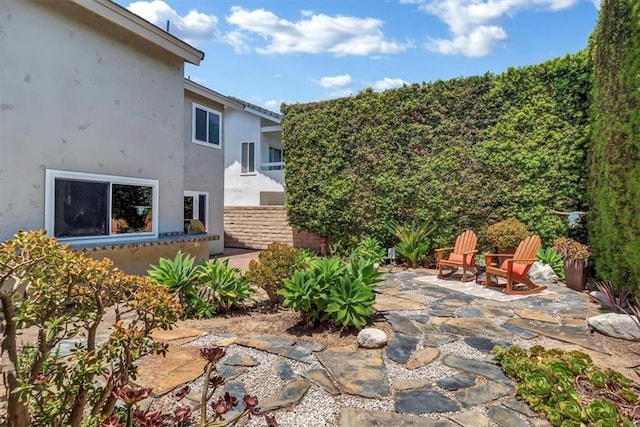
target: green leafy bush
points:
(179, 274)
(553, 259)
(507, 234)
(369, 250)
(222, 287)
(331, 291)
(414, 242)
(275, 264)
(550, 380)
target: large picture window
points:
(89, 206)
(248, 157)
(207, 126)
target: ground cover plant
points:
(568, 389)
(65, 295)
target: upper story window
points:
(248, 158)
(207, 126)
(276, 159)
(88, 207)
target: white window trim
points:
(193, 126)
(196, 203)
(49, 209)
(281, 150)
(255, 172)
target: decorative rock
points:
(542, 274)
(401, 347)
(402, 325)
(355, 417)
(320, 378)
(485, 344)
(471, 419)
(372, 338)
(485, 369)
(284, 370)
(312, 346)
(483, 393)
(616, 325)
(457, 382)
(422, 357)
(424, 400)
(360, 372)
(505, 418)
(289, 394)
(240, 359)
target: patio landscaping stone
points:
(372, 338)
(235, 389)
(402, 325)
(457, 382)
(422, 357)
(314, 347)
(473, 327)
(361, 372)
(518, 331)
(226, 341)
(283, 370)
(422, 319)
(485, 344)
(424, 400)
(264, 342)
(278, 345)
(180, 365)
(483, 393)
(519, 406)
(572, 335)
(289, 394)
(471, 419)
(229, 372)
(320, 378)
(172, 335)
(616, 325)
(401, 347)
(537, 315)
(296, 352)
(436, 339)
(389, 303)
(240, 359)
(484, 369)
(470, 311)
(505, 417)
(356, 417)
(409, 383)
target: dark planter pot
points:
(509, 250)
(576, 272)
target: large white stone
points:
(542, 274)
(372, 338)
(616, 325)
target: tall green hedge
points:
(614, 156)
(461, 153)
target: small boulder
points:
(372, 338)
(542, 274)
(616, 325)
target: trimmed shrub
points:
(278, 262)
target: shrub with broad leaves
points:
(275, 264)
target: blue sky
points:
(270, 51)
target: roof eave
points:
(191, 86)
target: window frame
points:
(196, 202)
(49, 210)
(208, 110)
(253, 171)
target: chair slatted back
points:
(528, 249)
(465, 242)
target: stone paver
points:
(505, 417)
(424, 400)
(401, 347)
(402, 325)
(484, 393)
(320, 378)
(457, 382)
(284, 370)
(485, 369)
(289, 394)
(179, 366)
(360, 372)
(422, 357)
(355, 417)
(471, 419)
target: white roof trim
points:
(261, 114)
(123, 18)
(212, 95)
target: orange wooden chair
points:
(463, 255)
(516, 268)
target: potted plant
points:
(576, 260)
(506, 235)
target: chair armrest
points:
(470, 252)
(520, 260)
(444, 249)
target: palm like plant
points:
(179, 275)
(414, 241)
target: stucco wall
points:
(239, 189)
(257, 227)
(79, 95)
(203, 168)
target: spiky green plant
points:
(553, 259)
(222, 286)
(414, 241)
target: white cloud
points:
(473, 23)
(315, 33)
(193, 27)
(238, 40)
(335, 81)
(388, 83)
(273, 105)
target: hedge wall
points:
(614, 153)
(460, 153)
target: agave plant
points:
(369, 250)
(179, 274)
(222, 286)
(553, 259)
(350, 302)
(414, 241)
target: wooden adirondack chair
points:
(463, 255)
(516, 268)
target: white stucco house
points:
(254, 157)
(102, 141)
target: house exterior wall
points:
(204, 166)
(80, 95)
(244, 189)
